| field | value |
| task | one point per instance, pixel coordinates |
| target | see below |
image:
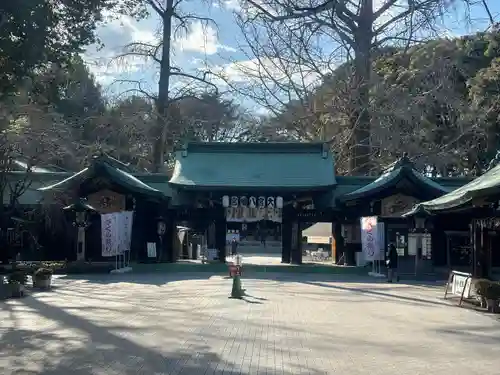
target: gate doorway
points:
(317, 242)
(257, 232)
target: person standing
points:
(392, 263)
(263, 238)
(234, 246)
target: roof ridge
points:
(254, 147)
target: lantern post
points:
(82, 211)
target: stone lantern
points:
(161, 229)
(82, 211)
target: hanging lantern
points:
(243, 201)
(234, 201)
(252, 202)
(225, 201)
(279, 202)
(262, 202)
(270, 202)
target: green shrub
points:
(488, 289)
(480, 285)
(17, 276)
(78, 268)
(43, 273)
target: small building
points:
(319, 233)
(471, 213)
(396, 191)
(274, 192)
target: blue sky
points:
(216, 46)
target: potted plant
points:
(480, 286)
(490, 292)
(4, 289)
(17, 281)
(42, 278)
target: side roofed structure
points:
(113, 172)
(399, 177)
(486, 186)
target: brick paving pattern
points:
(292, 324)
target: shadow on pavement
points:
(152, 279)
(101, 351)
(378, 293)
(478, 334)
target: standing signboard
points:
(461, 283)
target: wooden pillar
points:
(482, 250)
(338, 246)
(220, 237)
(477, 249)
(286, 239)
(296, 242)
(168, 239)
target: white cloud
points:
(202, 39)
(137, 31)
(267, 70)
(116, 33)
(234, 5)
(108, 69)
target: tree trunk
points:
(359, 161)
(162, 105)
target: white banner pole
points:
(370, 243)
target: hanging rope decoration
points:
(234, 201)
(262, 202)
(243, 201)
(253, 202)
(270, 202)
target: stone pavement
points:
(292, 324)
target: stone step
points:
(257, 249)
(258, 243)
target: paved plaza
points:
(291, 324)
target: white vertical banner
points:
(108, 235)
(128, 217)
(120, 232)
(369, 239)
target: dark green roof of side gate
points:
(102, 167)
(254, 165)
(487, 185)
(400, 175)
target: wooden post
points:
(296, 248)
(286, 240)
(220, 238)
(81, 224)
(337, 241)
(477, 252)
(80, 244)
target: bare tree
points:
(314, 32)
(174, 84)
(30, 134)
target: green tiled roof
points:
(483, 186)
(348, 184)
(101, 167)
(398, 173)
(254, 165)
